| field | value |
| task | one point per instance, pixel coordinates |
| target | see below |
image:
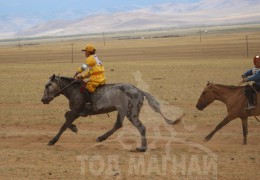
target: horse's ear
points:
(210, 83)
(52, 77)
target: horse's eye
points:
(204, 93)
(47, 86)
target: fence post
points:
(72, 53)
(247, 55)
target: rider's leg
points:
(87, 107)
(250, 93)
(89, 88)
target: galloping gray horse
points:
(124, 98)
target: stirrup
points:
(250, 106)
(87, 109)
(87, 105)
(84, 113)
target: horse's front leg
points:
(219, 126)
(70, 117)
(245, 130)
(73, 128)
(118, 125)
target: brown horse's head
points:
(206, 97)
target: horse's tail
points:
(155, 105)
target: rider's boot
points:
(87, 108)
(86, 111)
(251, 102)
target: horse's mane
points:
(70, 79)
(228, 86)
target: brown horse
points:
(236, 103)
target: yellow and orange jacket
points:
(94, 71)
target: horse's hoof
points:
(74, 129)
(141, 149)
(206, 139)
(50, 143)
(99, 139)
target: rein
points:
(239, 84)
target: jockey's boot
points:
(250, 106)
(86, 111)
(87, 107)
(251, 102)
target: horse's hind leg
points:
(141, 128)
(245, 130)
(134, 109)
(118, 124)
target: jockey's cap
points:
(89, 48)
(256, 59)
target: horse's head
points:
(51, 90)
(206, 97)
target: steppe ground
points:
(175, 69)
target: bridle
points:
(205, 102)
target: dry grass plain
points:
(174, 70)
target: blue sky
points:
(62, 9)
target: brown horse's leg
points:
(70, 117)
(117, 125)
(219, 126)
(245, 130)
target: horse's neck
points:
(67, 87)
(225, 92)
(64, 82)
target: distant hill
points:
(203, 13)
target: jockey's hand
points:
(78, 77)
(243, 76)
(244, 80)
(75, 75)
